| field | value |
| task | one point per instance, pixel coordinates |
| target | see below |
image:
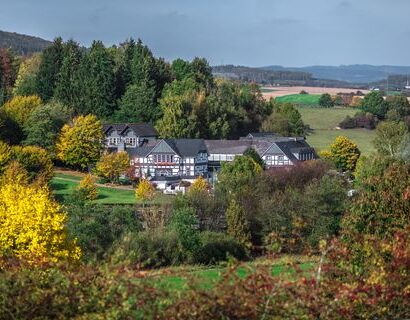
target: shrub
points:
(216, 247)
(87, 188)
(85, 292)
(185, 224)
(97, 227)
(149, 249)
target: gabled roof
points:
(187, 147)
(264, 135)
(227, 146)
(141, 129)
(290, 146)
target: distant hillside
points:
(358, 73)
(22, 44)
(280, 76)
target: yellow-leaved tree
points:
(199, 185)
(32, 223)
(343, 153)
(80, 143)
(20, 107)
(112, 165)
(88, 188)
(145, 191)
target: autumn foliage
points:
(32, 224)
(112, 165)
(80, 143)
(87, 188)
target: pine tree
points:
(98, 82)
(49, 68)
(238, 225)
(138, 105)
(68, 88)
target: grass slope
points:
(64, 185)
(300, 99)
(324, 121)
(180, 278)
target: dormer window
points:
(113, 141)
(130, 141)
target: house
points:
(168, 162)
(128, 135)
(274, 150)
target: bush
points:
(360, 120)
(218, 247)
(326, 101)
(149, 249)
(97, 227)
(85, 292)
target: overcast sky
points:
(245, 32)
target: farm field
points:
(180, 278)
(274, 92)
(63, 185)
(300, 99)
(323, 122)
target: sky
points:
(240, 32)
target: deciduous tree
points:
(112, 165)
(33, 225)
(87, 188)
(389, 137)
(238, 226)
(145, 191)
(326, 101)
(80, 142)
(20, 108)
(344, 154)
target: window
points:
(281, 158)
(113, 141)
(229, 157)
(130, 141)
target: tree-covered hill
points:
(21, 43)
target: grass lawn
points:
(324, 121)
(300, 99)
(63, 185)
(180, 278)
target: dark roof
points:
(187, 147)
(289, 146)
(140, 129)
(228, 146)
(265, 135)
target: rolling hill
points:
(358, 73)
(21, 43)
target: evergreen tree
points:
(68, 87)
(181, 69)
(49, 68)
(98, 82)
(138, 105)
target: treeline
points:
(126, 83)
(21, 43)
(260, 75)
(277, 77)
